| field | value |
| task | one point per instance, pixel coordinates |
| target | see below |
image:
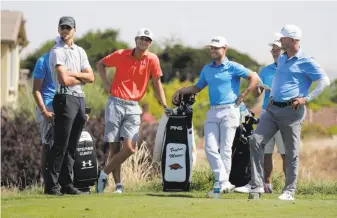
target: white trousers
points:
(220, 127)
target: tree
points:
(97, 44)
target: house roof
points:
(12, 27)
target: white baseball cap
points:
(145, 32)
(276, 42)
(218, 42)
(290, 31)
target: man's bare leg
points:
(116, 173)
(268, 169)
(128, 148)
(284, 163)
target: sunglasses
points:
(62, 27)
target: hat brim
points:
(275, 43)
(217, 45)
(145, 36)
(67, 24)
(279, 35)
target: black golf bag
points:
(176, 159)
(240, 172)
(86, 164)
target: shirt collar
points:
(132, 51)
(224, 63)
(64, 45)
(298, 55)
(271, 66)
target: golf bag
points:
(240, 172)
(86, 164)
(176, 156)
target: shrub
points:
(332, 130)
(313, 130)
(20, 149)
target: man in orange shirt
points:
(134, 67)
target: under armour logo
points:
(84, 163)
(216, 40)
(146, 32)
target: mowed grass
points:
(159, 204)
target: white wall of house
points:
(10, 70)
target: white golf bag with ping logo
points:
(175, 147)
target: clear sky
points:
(248, 26)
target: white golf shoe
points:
(226, 188)
(243, 189)
(248, 189)
(286, 196)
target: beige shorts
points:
(122, 119)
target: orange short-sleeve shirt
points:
(132, 75)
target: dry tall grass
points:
(318, 160)
(136, 170)
(317, 163)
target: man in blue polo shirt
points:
(43, 92)
(223, 79)
(286, 110)
(267, 75)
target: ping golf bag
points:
(178, 143)
(240, 172)
(86, 164)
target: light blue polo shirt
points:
(266, 75)
(42, 71)
(294, 76)
(223, 81)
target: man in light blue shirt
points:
(286, 110)
(223, 80)
(43, 92)
(267, 75)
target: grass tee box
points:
(167, 205)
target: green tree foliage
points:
(185, 63)
(328, 98)
(177, 60)
(181, 66)
(97, 44)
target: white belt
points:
(223, 106)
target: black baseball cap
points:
(69, 21)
